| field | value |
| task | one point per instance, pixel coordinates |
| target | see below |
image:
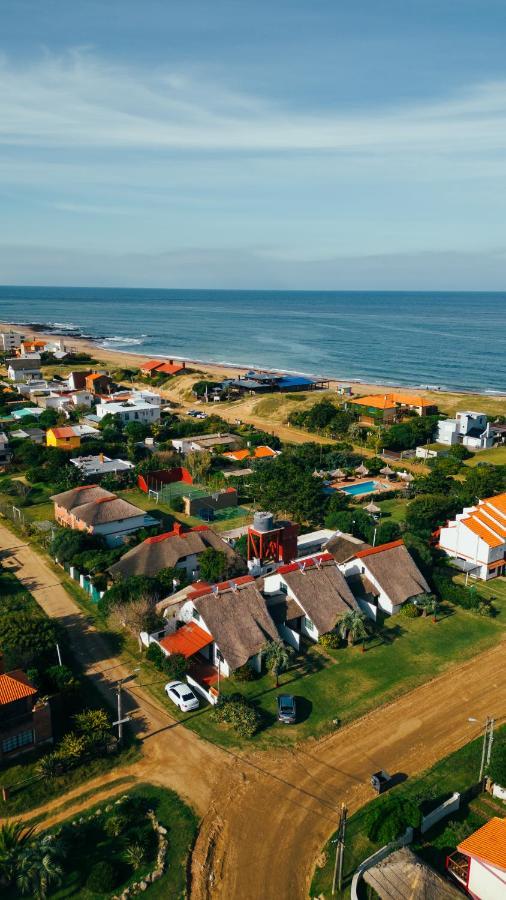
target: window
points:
(23, 739)
(308, 624)
(283, 587)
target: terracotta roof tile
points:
(187, 640)
(15, 686)
(488, 843)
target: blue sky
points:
(295, 144)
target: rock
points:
(143, 886)
(162, 830)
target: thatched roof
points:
(392, 567)
(283, 608)
(372, 508)
(344, 546)
(362, 470)
(386, 470)
(338, 473)
(403, 876)
(322, 592)
(239, 622)
(105, 510)
(166, 550)
(78, 496)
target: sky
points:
(312, 144)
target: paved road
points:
(266, 816)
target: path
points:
(266, 815)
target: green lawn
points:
(495, 456)
(393, 510)
(347, 683)
(456, 772)
(88, 844)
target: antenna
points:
(318, 561)
(215, 589)
(233, 587)
(302, 565)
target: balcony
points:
(458, 866)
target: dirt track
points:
(265, 816)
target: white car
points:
(181, 695)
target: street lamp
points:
(488, 740)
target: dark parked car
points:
(380, 781)
(287, 711)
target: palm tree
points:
(277, 658)
(134, 855)
(38, 868)
(352, 626)
(13, 837)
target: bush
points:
(102, 878)
(467, 598)
(409, 611)
(330, 641)
(245, 673)
(175, 665)
(239, 714)
(71, 749)
(115, 825)
(156, 656)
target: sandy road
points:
(266, 815)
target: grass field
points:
(347, 683)
(496, 456)
(392, 510)
(455, 773)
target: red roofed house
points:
(384, 577)
(479, 864)
(98, 383)
(25, 720)
(261, 452)
(159, 367)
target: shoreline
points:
(121, 358)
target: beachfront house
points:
(476, 538)
(24, 369)
(384, 578)
(479, 863)
(130, 411)
(307, 598)
(176, 549)
(383, 409)
(98, 383)
(162, 367)
(471, 429)
(92, 509)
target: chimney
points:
(178, 528)
(171, 362)
(183, 365)
(101, 458)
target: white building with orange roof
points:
(476, 538)
(479, 864)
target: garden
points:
(133, 843)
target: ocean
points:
(454, 341)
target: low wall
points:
(157, 479)
(449, 806)
(380, 854)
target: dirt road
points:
(266, 816)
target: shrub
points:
(49, 766)
(175, 665)
(409, 611)
(134, 855)
(239, 714)
(330, 641)
(115, 825)
(71, 749)
(156, 656)
(245, 673)
(102, 878)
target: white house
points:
(101, 465)
(476, 538)
(471, 429)
(130, 411)
(205, 442)
(384, 577)
(307, 598)
(479, 864)
(19, 369)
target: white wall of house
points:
(133, 412)
(359, 567)
(115, 532)
(460, 542)
(447, 432)
(23, 375)
(486, 882)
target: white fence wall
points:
(449, 806)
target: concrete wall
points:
(486, 882)
(449, 806)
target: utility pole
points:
(338, 864)
(59, 655)
(488, 739)
(120, 721)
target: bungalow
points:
(130, 411)
(76, 381)
(479, 863)
(25, 719)
(476, 538)
(27, 369)
(226, 626)
(343, 546)
(177, 549)
(205, 442)
(307, 598)
(381, 409)
(64, 437)
(93, 466)
(162, 367)
(90, 508)
(384, 578)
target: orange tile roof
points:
(169, 368)
(498, 502)
(488, 843)
(187, 640)
(389, 401)
(238, 455)
(488, 520)
(483, 515)
(15, 686)
(480, 531)
(65, 431)
(151, 364)
(95, 375)
(263, 451)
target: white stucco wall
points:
(486, 882)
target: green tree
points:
(424, 513)
(497, 768)
(353, 626)
(388, 819)
(93, 725)
(134, 855)
(39, 867)
(277, 656)
(213, 565)
(25, 637)
(14, 836)
(199, 464)
(175, 666)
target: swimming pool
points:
(365, 487)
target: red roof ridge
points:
(310, 562)
(379, 549)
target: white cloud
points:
(78, 100)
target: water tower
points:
(270, 542)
